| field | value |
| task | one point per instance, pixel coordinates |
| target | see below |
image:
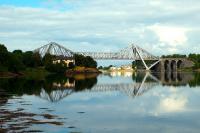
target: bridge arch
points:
(179, 64)
(173, 65)
(166, 65)
(173, 76)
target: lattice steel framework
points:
(128, 53)
(54, 49)
(133, 52)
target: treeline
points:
(18, 61)
(196, 59)
(174, 56)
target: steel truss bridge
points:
(130, 89)
(132, 52)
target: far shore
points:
(41, 72)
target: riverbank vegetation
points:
(28, 63)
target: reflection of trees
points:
(87, 83)
(53, 85)
(21, 86)
(56, 87)
(196, 81)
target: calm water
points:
(111, 103)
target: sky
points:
(159, 26)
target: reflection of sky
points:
(114, 80)
(161, 109)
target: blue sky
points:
(159, 26)
(20, 3)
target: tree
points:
(3, 55)
(133, 64)
(15, 63)
(79, 60)
(174, 56)
(37, 59)
(71, 65)
(47, 59)
(18, 54)
(87, 61)
(100, 67)
(196, 59)
(28, 59)
(57, 67)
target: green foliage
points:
(18, 60)
(47, 59)
(71, 65)
(51, 67)
(196, 59)
(79, 60)
(37, 59)
(4, 55)
(10, 61)
(196, 81)
(174, 56)
(56, 68)
(106, 67)
(133, 64)
(87, 61)
(100, 67)
(15, 64)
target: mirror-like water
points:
(114, 102)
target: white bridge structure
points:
(132, 90)
(132, 52)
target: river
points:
(111, 103)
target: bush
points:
(87, 61)
(56, 68)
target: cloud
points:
(173, 104)
(162, 27)
(171, 35)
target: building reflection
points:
(121, 73)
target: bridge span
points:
(132, 52)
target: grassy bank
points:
(31, 73)
(79, 69)
(41, 72)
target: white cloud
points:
(171, 35)
(173, 104)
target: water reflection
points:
(146, 89)
(56, 87)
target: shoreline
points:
(82, 70)
(40, 72)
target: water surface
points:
(113, 103)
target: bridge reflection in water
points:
(54, 88)
(142, 82)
